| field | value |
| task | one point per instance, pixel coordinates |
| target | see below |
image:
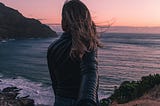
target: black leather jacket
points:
(73, 78)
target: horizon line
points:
(106, 26)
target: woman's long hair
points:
(76, 20)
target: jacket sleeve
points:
(89, 80)
(50, 67)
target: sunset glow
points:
(122, 12)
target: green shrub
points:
(128, 91)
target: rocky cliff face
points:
(14, 25)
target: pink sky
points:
(122, 12)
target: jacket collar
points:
(66, 35)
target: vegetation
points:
(131, 90)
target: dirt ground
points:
(152, 98)
(144, 102)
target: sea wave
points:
(3, 41)
(1, 75)
(40, 93)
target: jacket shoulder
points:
(65, 37)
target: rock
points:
(11, 89)
(14, 25)
(8, 97)
(17, 102)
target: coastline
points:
(149, 98)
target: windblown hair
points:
(76, 20)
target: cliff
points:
(14, 25)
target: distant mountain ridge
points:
(14, 25)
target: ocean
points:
(124, 57)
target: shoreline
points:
(151, 97)
(11, 39)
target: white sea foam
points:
(3, 41)
(38, 92)
(41, 94)
(1, 75)
(11, 39)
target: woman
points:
(72, 59)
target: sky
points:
(120, 12)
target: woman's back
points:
(66, 71)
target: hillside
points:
(144, 92)
(152, 98)
(14, 25)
